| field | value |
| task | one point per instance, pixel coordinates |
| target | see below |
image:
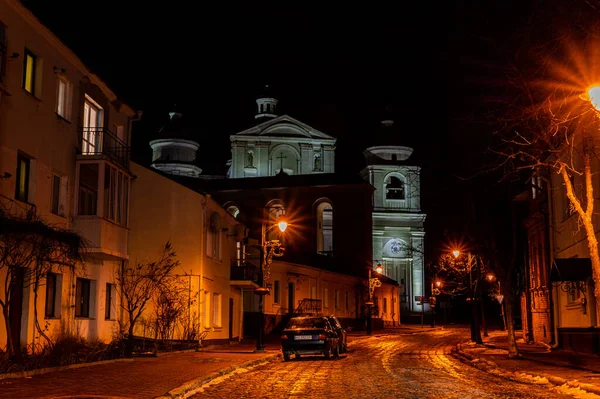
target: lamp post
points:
(269, 249)
(435, 290)
(475, 328)
(373, 283)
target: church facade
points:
(280, 145)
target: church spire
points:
(267, 104)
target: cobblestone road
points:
(388, 366)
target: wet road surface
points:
(403, 365)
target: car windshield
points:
(306, 323)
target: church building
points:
(298, 154)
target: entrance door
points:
(16, 307)
(291, 290)
(230, 318)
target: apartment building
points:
(64, 155)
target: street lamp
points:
(475, 328)
(499, 298)
(373, 283)
(435, 290)
(269, 249)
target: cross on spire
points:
(281, 157)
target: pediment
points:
(284, 126)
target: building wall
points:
(180, 215)
(313, 283)
(31, 127)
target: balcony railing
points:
(242, 270)
(99, 141)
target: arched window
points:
(325, 228)
(394, 188)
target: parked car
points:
(309, 335)
(341, 333)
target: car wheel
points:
(327, 351)
(286, 356)
(336, 352)
(297, 356)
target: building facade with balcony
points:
(64, 155)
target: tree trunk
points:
(483, 320)
(513, 350)
(10, 348)
(129, 342)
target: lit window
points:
(23, 172)
(92, 128)
(29, 65)
(216, 310)
(63, 98)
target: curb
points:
(552, 379)
(184, 389)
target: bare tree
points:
(139, 283)
(30, 248)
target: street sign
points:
(500, 298)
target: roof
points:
(283, 126)
(571, 269)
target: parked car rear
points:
(309, 335)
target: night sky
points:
(334, 68)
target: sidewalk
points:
(537, 364)
(168, 375)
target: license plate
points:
(300, 337)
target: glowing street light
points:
(593, 96)
(373, 283)
(456, 253)
(269, 249)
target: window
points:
(394, 188)
(110, 312)
(82, 298)
(206, 309)
(336, 298)
(325, 298)
(116, 193)
(347, 300)
(213, 238)
(63, 97)
(88, 189)
(276, 292)
(384, 305)
(324, 228)
(216, 310)
(23, 172)
(2, 50)
(59, 194)
(313, 292)
(92, 127)
(29, 72)
(51, 288)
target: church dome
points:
(267, 105)
(176, 128)
(387, 145)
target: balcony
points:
(245, 274)
(101, 143)
(106, 240)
